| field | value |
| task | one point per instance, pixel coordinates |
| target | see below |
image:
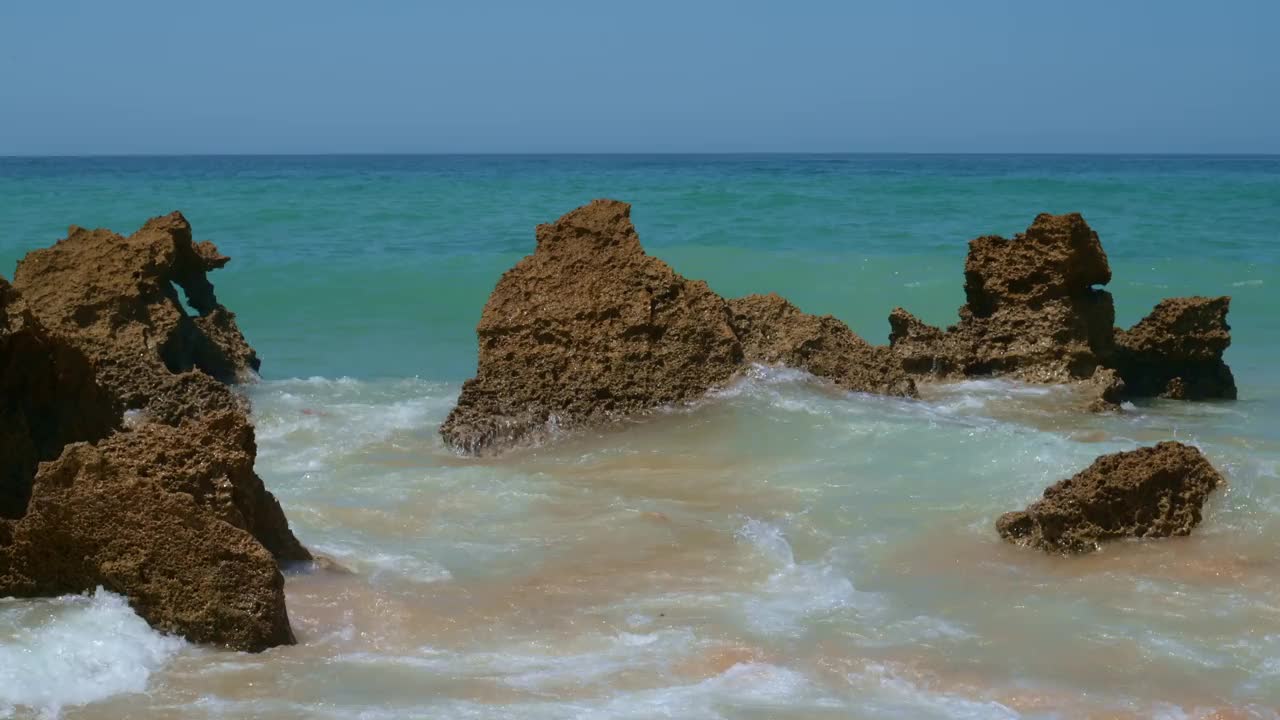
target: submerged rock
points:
(1145, 493)
(164, 509)
(589, 328)
(1032, 312)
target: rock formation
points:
(49, 396)
(775, 332)
(168, 510)
(1032, 312)
(116, 300)
(1145, 493)
(589, 328)
(1176, 351)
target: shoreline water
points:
(779, 549)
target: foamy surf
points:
(74, 650)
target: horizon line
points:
(660, 153)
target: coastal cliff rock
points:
(116, 299)
(1145, 493)
(1032, 312)
(165, 508)
(1176, 351)
(589, 328)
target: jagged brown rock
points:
(165, 509)
(589, 328)
(49, 396)
(773, 331)
(92, 521)
(1176, 350)
(1145, 493)
(116, 299)
(1032, 312)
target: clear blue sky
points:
(267, 76)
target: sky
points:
(526, 76)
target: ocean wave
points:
(75, 650)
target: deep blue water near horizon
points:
(779, 550)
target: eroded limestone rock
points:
(589, 328)
(1145, 493)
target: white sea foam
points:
(796, 593)
(74, 650)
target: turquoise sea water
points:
(778, 551)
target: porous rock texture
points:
(1150, 492)
(165, 510)
(48, 398)
(116, 300)
(1176, 351)
(1032, 312)
(589, 328)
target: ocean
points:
(778, 550)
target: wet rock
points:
(589, 328)
(1145, 493)
(1105, 390)
(1032, 312)
(775, 332)
(1176, 351)
(92, 521)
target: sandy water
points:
(779, 550)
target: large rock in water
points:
(1030, 309)
(589, 328)
(116, 300)
(1145, 493)
(1176, 351)
(1032, 312)
(168, 510)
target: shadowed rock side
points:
(116, 300)
(589, 328)
(48, 398)
(1032, 312)
(1145, 493)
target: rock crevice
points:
(167, 511)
